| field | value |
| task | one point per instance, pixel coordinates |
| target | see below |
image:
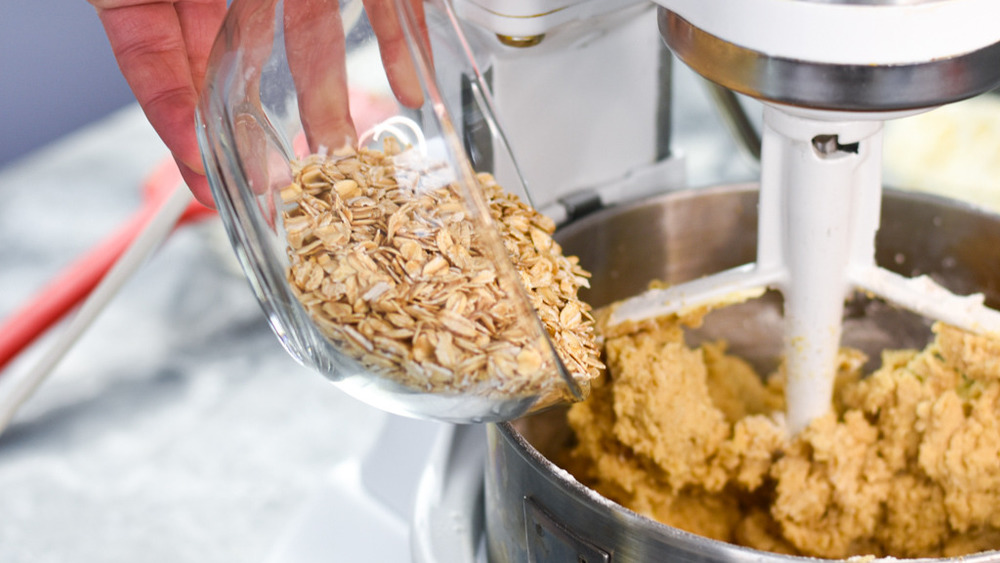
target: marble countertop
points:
(176, 429)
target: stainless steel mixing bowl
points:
(535, 511)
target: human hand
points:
(162, 48)
(315, 47)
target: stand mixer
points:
(829, 73)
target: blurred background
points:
(57, 73)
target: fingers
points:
(198, 184)
(149, 45)
(200, 23)
(396, 58)
(163, 46)
(314, 45)
(417, 6)
(162, 49)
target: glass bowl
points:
(381, 256)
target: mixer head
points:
(829, 72)
(845, 55)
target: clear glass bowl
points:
(357, 214)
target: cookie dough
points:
(906, 464)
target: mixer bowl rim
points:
(752, 186)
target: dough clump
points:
(906, 464)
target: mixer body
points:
(582, 93)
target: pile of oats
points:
(388, 264)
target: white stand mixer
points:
(830, 72)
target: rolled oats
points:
(390, 268)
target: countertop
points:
(176, 429)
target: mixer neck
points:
(582, 92)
